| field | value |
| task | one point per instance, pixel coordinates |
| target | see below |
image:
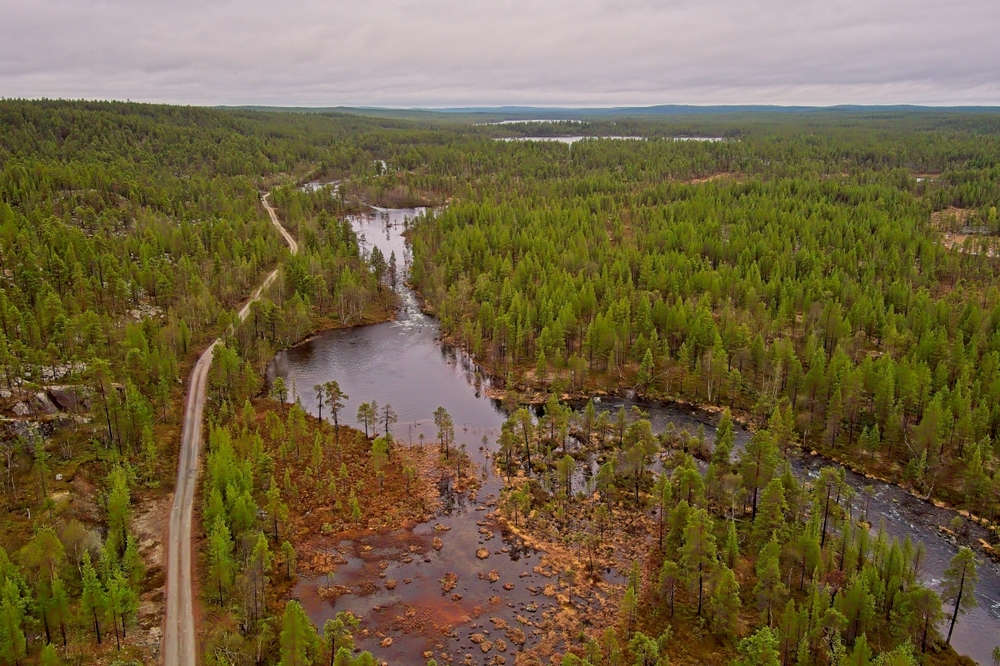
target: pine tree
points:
(220, 557)
(731, 549)
(724, 438)
(122, 602)
(861, 655)
(670, 577)
(646, 368)
(757, 465)
(290, 558)
(959, 586)
(335, 403)
(389, 419)
(49, 656)
(769, 588)
(298, 637)
(13, 644)
(279, 392)
(771, 513)
(320, 394)
(759, 649)
(257, 569)
(94, 600)
(698, 551)
(337, 633)
(725, 604)
(59, 608)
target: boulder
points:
(69, 398)
(40, 401)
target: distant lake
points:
(536, 120)
(569, 140)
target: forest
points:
(829, 281)
(129, 234)
(733, 283)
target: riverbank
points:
(404, 363)
(532, 391)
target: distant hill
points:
(486, 113)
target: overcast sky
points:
(490, 52)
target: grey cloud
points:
(478, 52)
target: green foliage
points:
(759, 649)
(299, 642)
(960, 578)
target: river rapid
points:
(404, 363)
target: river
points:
(403, 363)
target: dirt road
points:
(179, 640)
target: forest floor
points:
(955, 231)
(320, 517)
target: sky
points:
(445, 53)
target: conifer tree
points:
(220, 557)
(725, 604)
(298, 637)
(959, 587)
(698, 551)
(94, 599)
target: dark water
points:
(403, 363)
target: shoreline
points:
(538, 396)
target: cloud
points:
(480, 52)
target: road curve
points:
(179, 644)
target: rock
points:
(69, 398)
(386, 642)
(437, 544)
(40, 401)
(5, 394)
(21, 409)
(482, 553)
(59, 477)
(390, 584)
